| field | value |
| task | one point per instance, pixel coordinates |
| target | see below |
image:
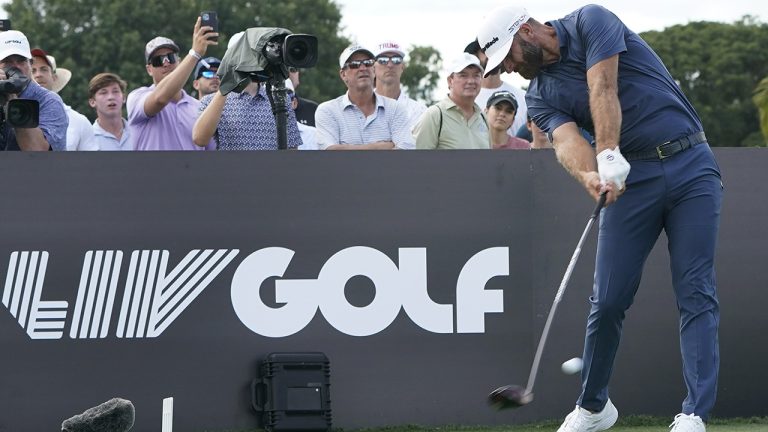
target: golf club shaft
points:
(559, 295)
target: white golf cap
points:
(350, 51)
(389, 45)
(497, 32)
(463, 61)
(13, 42)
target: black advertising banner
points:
(424, 277)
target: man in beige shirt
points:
(456, 122)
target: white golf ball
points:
(572, 366)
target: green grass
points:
(625, 424)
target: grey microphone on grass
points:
(114, 415)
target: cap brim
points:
(498, 57)
(62, 79)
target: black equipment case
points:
(292, 392)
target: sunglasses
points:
(158, 61)
(292, 69)
(207, 74)
(384, 60)
(357, 63)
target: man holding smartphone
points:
(161, 116)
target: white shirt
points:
(308, 137)
(521, 117)
(79, 132)
(413, 107)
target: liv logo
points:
(152, 297)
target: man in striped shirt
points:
(361, 119)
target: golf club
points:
(514, 396)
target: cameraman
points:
(15, 57)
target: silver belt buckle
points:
(658, 150)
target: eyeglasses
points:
(158, 61)
(384, 60)
(207, 74)
(357, 63)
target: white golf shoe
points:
(581, 420)
(687, 423)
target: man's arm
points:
(603, 83)
(31, 139)
(208, 122)
(381, 145)
(171, 85)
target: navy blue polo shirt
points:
(654, 109)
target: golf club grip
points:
(600, 204)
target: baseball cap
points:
(201, 67)
(463, 61)
(498, 31)
(389, 46)
(62, 75)
(502, 96)
(13, 42)
(350, 51)
(157, 43)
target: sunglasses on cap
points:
(384, 60)
(357, 63)
(158, 61)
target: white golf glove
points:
(612, 167)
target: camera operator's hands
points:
(9, 96)
(201, 39)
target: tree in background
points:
(761, 101)
(93, 36)
(423, 71)
(718, 67)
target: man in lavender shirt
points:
(161, 116)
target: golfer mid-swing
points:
(652, 160)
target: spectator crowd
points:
(375, 113)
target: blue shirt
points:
(105, 141)
(339, 121)
(247, 123)
(654, 109)
(53, 119)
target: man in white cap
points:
(493, 83)
(51, 132)
(456, 122)
(389, 68)
(652, 167)
(361, 119)
(161, 116)
(47, 75)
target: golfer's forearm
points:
(574, 152)
(604, 104)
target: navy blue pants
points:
(682, 195)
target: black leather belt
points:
(669, 148)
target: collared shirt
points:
(106, 141)
(53, 119)
(654, 108)
(247, 123)
(79, 132)
(443, 126)
(414, 108)
(170, 129)
(339, 121)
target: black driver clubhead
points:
(510, 396)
